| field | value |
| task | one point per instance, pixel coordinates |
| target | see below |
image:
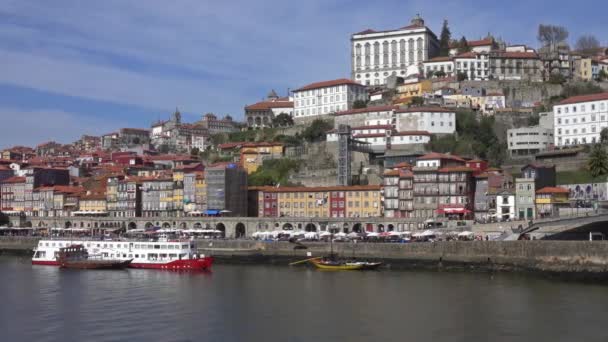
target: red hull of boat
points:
(177, 265)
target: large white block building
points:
(323, 98)
(435, 120)
(580, 119)
(377, 55)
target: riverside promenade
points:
(575, 259)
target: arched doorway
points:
(68, 224)
(197, 225)
(380, 228)
(345, 227)
(310, 227)
(183, 225)
(287, 226)
(239, 231)
(357, 228)
(166, 225)
(132, 225)
(149, 225)
(220, 226)
(391, 227)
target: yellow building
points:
(550, 199)
(254, 154)
(335, 201)
(93, 203)
(407, 91)
(583, 69)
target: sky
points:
(72, 67)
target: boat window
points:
(136, 246)
(98, 245)
(152, 256)
(88, 245)
(111, 255)
(130, 255)
(47, 244)
(156, 246)
(150, 246)
(53, 244)
(105, 245)
(163, 255)
(170, 246)
(183, 255)
(124, 255)
(105, 255)
(184, 246)
(173, 256)
(136, 256)
(111, 245)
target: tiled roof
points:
(325, 84)
(435, 155)
(391, 173)
(553, 190)
(439, 59)
(367, 110)
(482, 42)
(403, 165)
(14, 180)
(263, 105)
(585, 98)
(425, 110)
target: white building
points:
(435, 120)
(476, 66)
(323, 98)
(378, 54)
(580, 119)
(437, 64)
(525, 141)
(505, 206)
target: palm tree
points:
(598, 161)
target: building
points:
(525, 198)
(175, 136)
(375, 115)
(253, 155)
(226, 190)
(508, 65)
(124, 197)
(397, 191)
(157, 198)
(583, 69)
(443, 185)
(413, 87)
(213, 125)
(526, 141)
(472, 66)
(376, 55)
(435, 120)
(543, 175)
(12, 197)
(335, 201)
(93, 204)
(327, 97)
(505, 205)
(125, 137)
(261, 114)
(477, 46)
(580, 119)
(550, 199)
(439, 67)
(488, 183)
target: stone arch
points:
(357, 228)
(96, 225)
(250, 121)
(345, 227)
(276, 225)
(197, 225)
(239, 230)
(258, 121)
(183, 225)
(132, 225)
(222, 228)
(288, 226)
(149, 225)
(380, 227)
(391, 227)
(166, 225)
(310, 227)
(67, 224)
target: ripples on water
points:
(269, 303)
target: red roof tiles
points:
(264, 105)
(435, 155)
(553, 190)
(585, 98)
(13, 180)
(331, 83)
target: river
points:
(272, 303)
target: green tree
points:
(194, 152)
(461, 76)
(440, 73)
(359, 104)
(316, 131)
(273, 172)
(557, 79)
(417, 101)
(282, 120)
(533, 119)
(444, 40)
(463, 45)
(598, 161)
(602, 75)
(604, 135)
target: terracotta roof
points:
(391, 173)
(439, 59)
(481, 42)
(403, 165)
(408, 27)
(325, 84)
(318, 189)
(435, 155)
(553, 190)
(367, 110)
(365, 32)
(14, 179)
(269, 105)
(406, 174)
(585, 98)
(425, 110)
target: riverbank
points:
(571, 259)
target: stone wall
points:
(519, 93)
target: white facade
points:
(377, 55)
(445, 64)
(505, 206)
(475, 65)
(529, 140)
(580, 119)
(432, 120)
(325, 98)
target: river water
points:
(272, 303)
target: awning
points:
(212, 212)
(453, 211)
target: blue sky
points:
(76, 67)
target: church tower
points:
(177, 117)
